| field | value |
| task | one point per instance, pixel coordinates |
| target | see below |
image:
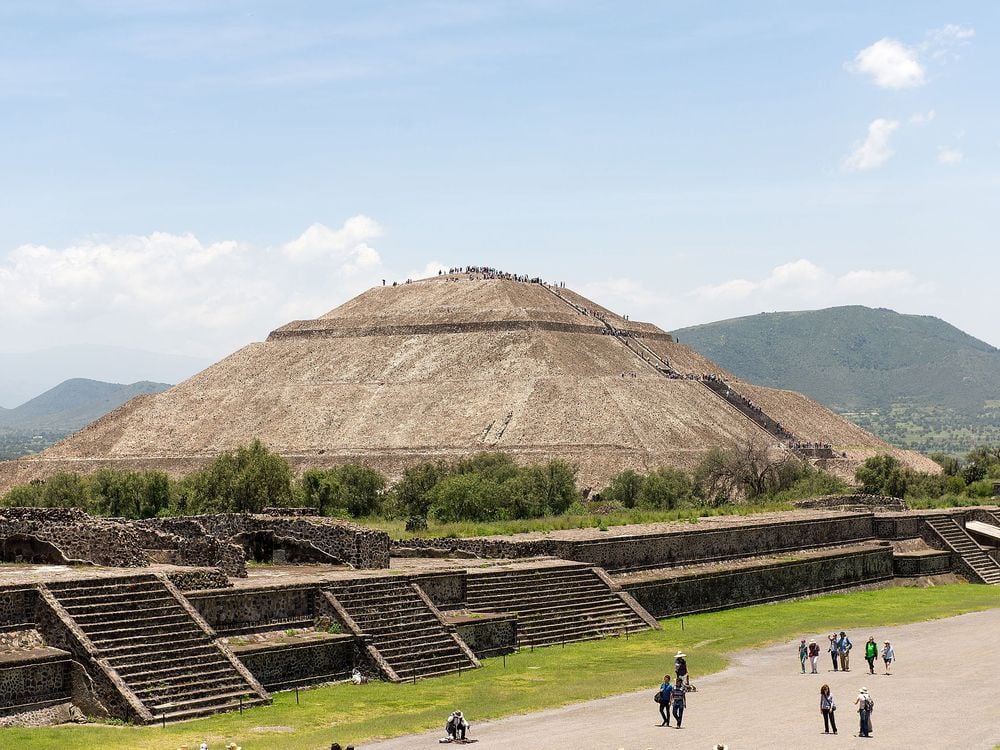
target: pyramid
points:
(450, 366)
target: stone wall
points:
(242, 610)
(29, 679)
(199, 578)
(191, 548)
(489, 634)
(618, 553)
(723, 589)
(283, 666)
(315, 538)
(446, 590)
(68, 535)
(17, 606)
(856, 502)
(922, 564)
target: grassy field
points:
(528, 682)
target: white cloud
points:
(922, 118)
(891, 65)
(949, 156)
(802, 284)
(944, 42)
(175, 293)
(431, 269)
(875, 150)
(621, 294)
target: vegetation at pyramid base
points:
(492, 487)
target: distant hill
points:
(24, 375)
(75, 403)
(914, 380)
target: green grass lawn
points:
(530, 680)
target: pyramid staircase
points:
(162, 652)
(556, 605)
(403, 631)
(958, 540)
(658, 363)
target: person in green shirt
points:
(871, 653)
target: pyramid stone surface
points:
(442, 368)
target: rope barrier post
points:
(241, 705)
(296, 695)
(163, 718)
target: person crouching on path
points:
(680, 667)
(871, 654)
(827, 707)
(679, 699)
(834, 650)
(814, 656)
(456, 727)
(888, 655)
(803, 654)
(666, 689)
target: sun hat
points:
(863, 690)
(680, 655)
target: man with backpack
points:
(865, 705)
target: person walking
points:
(827, 707)
(844, 646)
(888, 655)
(814, 655)
(865, 706)
(871, 653)
(834, 650)
(666, 689)
(803, 654)
(679, 699)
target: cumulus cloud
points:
(875, 150)
(922, 118)
(949, 156)
(621, 294)
(174, 292)
(890, 64)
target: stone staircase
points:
(984, 567)
(554, 605)
(401, 626)
(157, 647)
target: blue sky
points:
(185, 176)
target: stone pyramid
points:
(446, 367)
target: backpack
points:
(868, 704)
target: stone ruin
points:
(69, 536)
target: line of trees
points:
(487, 486)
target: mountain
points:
(73, 404)
(448, 367)
(914, 380)
(26, 374)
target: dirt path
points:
(762, 701)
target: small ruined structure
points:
(454, 365)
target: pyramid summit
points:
(451, 366)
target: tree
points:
(624, 488)
(242, 482)
(747, 469)
(411, 494)
(352, 489)
(949, 464)
(666, 488)
(882, 475)
(128, 494)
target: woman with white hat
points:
(680, 667)
(865, 706)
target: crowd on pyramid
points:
(487, 272)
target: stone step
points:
(142, 679)
(403, 639)
(573, 620)
(191, 661)
(172, 693)
(262, 627)
(137, 623)
(176, 711)
(402, 650)
(149, 641)
(105, 613)
(439, 664)
(515, 600)
(185, 643)
(89, 608)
